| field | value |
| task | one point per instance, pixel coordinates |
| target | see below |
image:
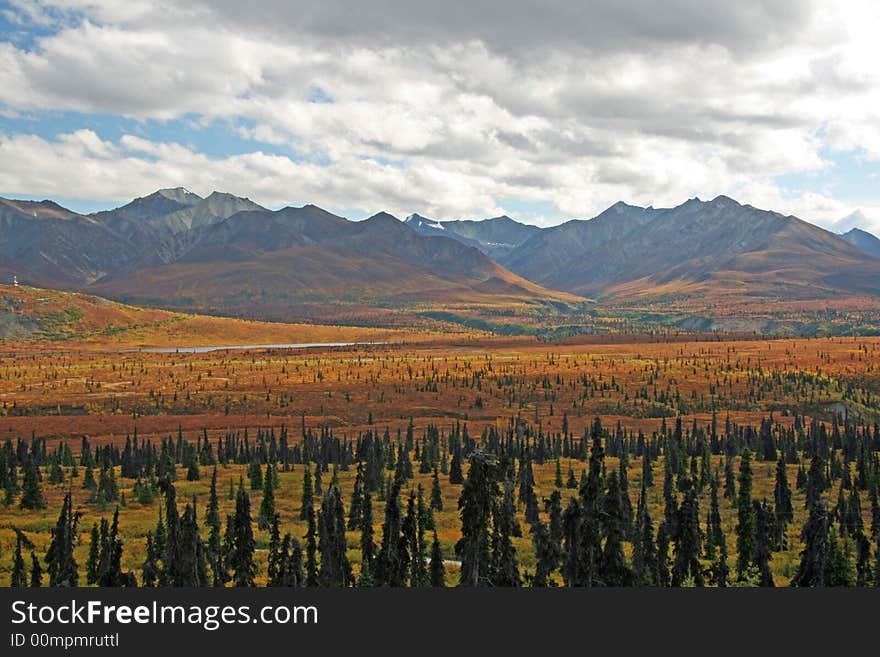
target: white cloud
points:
(450, 111)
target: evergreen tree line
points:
(579, 544)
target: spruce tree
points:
(31, 490)
(391, 564)
(173, 555)
(475, 505)
(368, 547)
(240, 553)
(294, 574)
(764, 522)
(311, 537)
(404, 470)
(11, 475)
(614, 570)
(436, 492)
(150, 568)
(319, 488)
(840, 572)
(663, 539)
(267, 504)
(553, 507)
(545, 555)
(589, 549)
(720, 569)
(571, 530)
(456, 476)
(192, 472)
(61, 564)
(864, 571)
(729, 479)
(714, 530)
(571, 480)
(335, 570)
(36, 571)
(784, 511)
(412, 530)
(161, 536)
(745, 526)
(197, 562)
(503, 564)
(817, 482)
(214, 547)
(670, 501)
(94, 556)
(19, 574)
(255, 475)
(815, 557)
(687, 542)
(438, 571)
(308, 496)
(110, 572)
(357, 499)
(277, 555)
(644, 548)
(647, 469)
(426, 514)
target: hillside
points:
(28, 312)
(74, 319)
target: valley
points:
(431, 400)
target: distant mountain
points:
(698, 249)
(46, 244)
(495, 237)
(228, 255)
(304, 255)
(862, 239)
(162, 221)
(558, 253)
(147, 208)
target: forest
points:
(487, 463)
(598, 537)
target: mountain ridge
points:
(862, 239)
(694, 242)
(224, 253)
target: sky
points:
(545, 110)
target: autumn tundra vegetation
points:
(431, 459)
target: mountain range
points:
(693, 249)
(227, 254)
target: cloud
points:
(512, 27)
(448, 110)
(133, 166)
